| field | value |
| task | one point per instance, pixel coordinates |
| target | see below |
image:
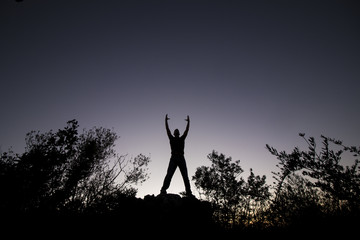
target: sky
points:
(248, 73)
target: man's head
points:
(176, 133)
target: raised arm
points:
(187, 127)
(167, 126)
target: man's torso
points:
(177, 145)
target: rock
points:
(172, 212)
(152, 215)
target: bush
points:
(313, 186)
(65, 172)
(237, 202)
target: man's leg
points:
(170, 172)
(184, 173)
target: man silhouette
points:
(177, 159)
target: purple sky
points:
(247, 72)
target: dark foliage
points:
(65, 172)
(314, 190)
(237, 202)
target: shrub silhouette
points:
(67, 172)
(313, 188)
(236, 201)
(313, 191)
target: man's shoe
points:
(190, 195)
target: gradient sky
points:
(247, 72)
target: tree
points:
(234, 198)
(65, 171)
(321, 180)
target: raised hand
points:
(187, 119)
(166, 117)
